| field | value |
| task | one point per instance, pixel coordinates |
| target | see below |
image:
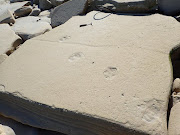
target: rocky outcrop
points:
(65, 11)
(8, 39)
(7, 17)
(35, 12)
(104, 78)
(169, 7)
(45, 4)
(29, 27)
(5, 130)
(23, 11)
(124, 6)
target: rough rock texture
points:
(23, 11)
(6, 16)
(29, 27)
(169, 7)
(2, 58)
(8, 39)
(121, 6)
(64, 12)
(45, 4)
(5, 130)
(104, 78)
(57, 2)
(174, 121)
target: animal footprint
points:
(64, 38)
(76, 56)
(110, 72)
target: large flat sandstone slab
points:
(112, 77)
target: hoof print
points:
(110, 73)
(76, 57)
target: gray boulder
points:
(64, 12)
(45, 4)
(57, 2)
(35, 12)
(169, 7)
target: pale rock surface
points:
(6, 16)
(124, 6)
(65, 11)
(104, 78)
(45, 4)
(174, 121)
(169, 7)
(45, 13)
(2, 58)
(23, 11)
(31, 26)
(8, 39)
(5, 130)
(176, 85)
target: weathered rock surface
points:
(174, 121)
(121, 6)
(5, 130)
(6, 16)
(2, 58)
(23, 11)
(57, 2)
(45, 13)
(169, 7)
(31, 26)
(64, 12)
(8, 39)
(45, 4)
(104, 78)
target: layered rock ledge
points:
(113, 76)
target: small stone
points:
(176, 85)
(23, 11)
(35, 12)
(5, 130)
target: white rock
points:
(109, 78)
(8, 39)
(6, 16)
(5, 130)
(176, 85)
(45, 13)
(29, 27)
(174, 121)
(2, 58)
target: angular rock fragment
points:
(45, 4)
(23, 11)
(29, 27)
(124, 6)
(5, 130)
(104, 78)
(169, 7)
(57, 2)
(64, 12)
(8, 39)
(174, 121)
(7, 17)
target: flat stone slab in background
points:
(111, 77)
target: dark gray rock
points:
(64, 12)
(45, 4)
(57, 2)
(35, 12)
(23, 11)
(169, 7)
